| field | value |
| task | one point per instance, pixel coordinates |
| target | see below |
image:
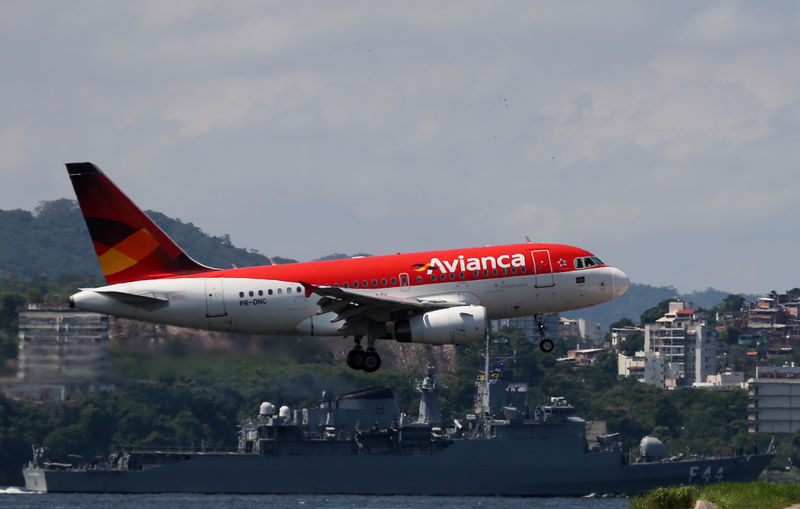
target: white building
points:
(631, 367)
(773, 404)
(724, 381)
(62, 353)
(678, 349)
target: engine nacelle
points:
(450, 326)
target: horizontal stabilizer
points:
(134, 298)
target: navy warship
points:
(362, 443)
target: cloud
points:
(654, 134)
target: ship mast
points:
(485, 406)
(485, 410)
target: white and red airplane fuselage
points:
(435, 297)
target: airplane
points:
(435, 297)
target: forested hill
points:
(53, 241)
(639, 298)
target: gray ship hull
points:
(468, 467)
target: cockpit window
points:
(585, 262)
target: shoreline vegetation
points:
(725, 495)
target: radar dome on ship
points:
(651, 447)
(284, 412)
(266, 408)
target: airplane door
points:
(542, 268)
(215, 303)
(404, 281)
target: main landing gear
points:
(545, 345)
(367, 360)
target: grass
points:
(727, 495)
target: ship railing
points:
(172, 449)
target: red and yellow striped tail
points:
(129, 245)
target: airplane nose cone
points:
(620, 282)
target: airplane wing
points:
(354, 307)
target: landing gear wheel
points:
(546, 345)
(356, 357)
(371, 362)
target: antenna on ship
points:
(489, 378)
(485, 410)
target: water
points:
(15, 498)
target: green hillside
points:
(53, 241)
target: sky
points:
(661, 136)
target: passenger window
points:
(336, 285)
(476, 273)
(404, 281)
(299, 289)
(394, 281)
(383, 281)
(366, 284)
(374, 282)
(250, 293)
(289, 290)
(452, 275)
(505, 271)
(494, 272)
(419, 279)
(523, 269)
(513, 270)
(433, 277)
(485, 272)
(355, 284)
(261, 293)
(280, 292)
(241, 294)
(347, 285)
(461, 275)
(269, 292)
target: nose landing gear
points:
(545, 345)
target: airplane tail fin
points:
(128, 244)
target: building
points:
(631, 367)
(620, 334)
(678, 349)
(582, 356)
(773, 403)
(724, 381)
(591, 331)
(63, 353)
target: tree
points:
(654, 313)
(633, 342)
(730, 335)
(622, 322)
(730, 303)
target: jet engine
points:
(450, 326)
